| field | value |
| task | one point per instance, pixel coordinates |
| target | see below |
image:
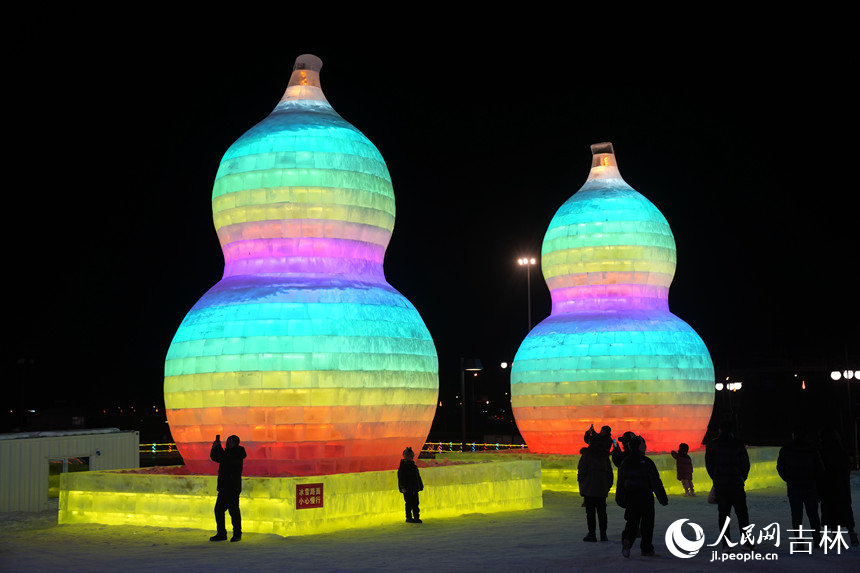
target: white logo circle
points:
(679, 545)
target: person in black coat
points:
(409, 483)
(619, 452)
(229, 486)
(835, 485)
(594, 474)
(728, 464)
(638, 483)
(590, 434)
(799, 465)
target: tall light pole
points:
(849, 375)
(527, 262)
(466, 365)
(728, 387)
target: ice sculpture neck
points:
(604, 167)
(304, 192)
(304, 82)
(619, 257)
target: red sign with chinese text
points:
(309, 495)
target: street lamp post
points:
(730, 387)
(849, 375)
(527, 262)
(466, 365)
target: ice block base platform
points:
(291, 506)
(558, 472)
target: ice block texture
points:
(610, 353)
(303, 349)
(268, 505)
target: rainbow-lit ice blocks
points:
(610, 353)
(303, 349)
(487, 483)
(268, 504)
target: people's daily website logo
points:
(801, 540)
(678, 543)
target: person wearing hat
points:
(229, 486)
(594, 476)
(638, 483)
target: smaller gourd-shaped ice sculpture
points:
(610, 353)
(302, 349)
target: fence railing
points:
(158, 448)
(441, 447)
(429, 447)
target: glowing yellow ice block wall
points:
(268, 504)
(559, 472)
(303, 349)
(610, 353)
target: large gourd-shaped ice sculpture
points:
(302, 349)
(610, 353)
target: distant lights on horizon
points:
(847, 374)
(732, 386)
(835, 375)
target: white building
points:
(31, 462)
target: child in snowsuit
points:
(409, 483)
(638, 481)
(684, 468)
(594, 474)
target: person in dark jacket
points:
(590, 434)
(728, 464)
(799, 465)
(620, 447)
(835, 485)
(638, 483)
(409, 483)
(619, 452)
(684, 468)
(229, 486)
(595, 477)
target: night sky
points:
(113, 235)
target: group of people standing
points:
(638, 483)
(815, 468)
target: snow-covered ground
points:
(548, 539)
